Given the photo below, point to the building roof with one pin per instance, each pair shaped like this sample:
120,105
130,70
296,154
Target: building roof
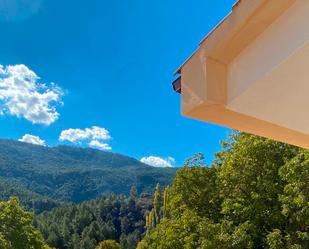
247,19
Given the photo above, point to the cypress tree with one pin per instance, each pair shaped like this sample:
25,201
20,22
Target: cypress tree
157,204
165,201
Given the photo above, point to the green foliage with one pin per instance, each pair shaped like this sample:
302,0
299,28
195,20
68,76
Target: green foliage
157,204
295,199
83,226
71,174
108,244
29,200
44,177
195,184
274,240
197,160
16,230
255,195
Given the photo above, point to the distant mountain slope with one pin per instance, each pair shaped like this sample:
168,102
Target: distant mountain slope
76,174
30,201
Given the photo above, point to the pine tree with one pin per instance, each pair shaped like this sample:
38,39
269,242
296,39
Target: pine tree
133,193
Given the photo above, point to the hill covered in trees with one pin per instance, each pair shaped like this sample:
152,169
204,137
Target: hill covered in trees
72,174
30,200
254,195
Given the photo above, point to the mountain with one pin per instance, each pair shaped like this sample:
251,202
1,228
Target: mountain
74,174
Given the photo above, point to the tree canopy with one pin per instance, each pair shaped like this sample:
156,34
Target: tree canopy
255,195
108,244
83,226
16,230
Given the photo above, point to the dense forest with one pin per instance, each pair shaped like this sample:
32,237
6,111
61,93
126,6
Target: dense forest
72,174
104,223
30,200
83,226
254,195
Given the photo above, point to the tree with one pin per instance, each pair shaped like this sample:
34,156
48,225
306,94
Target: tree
295,201
255,195
157,204
197,160
108,244
16,230
133,193
165,202
250,183
198,188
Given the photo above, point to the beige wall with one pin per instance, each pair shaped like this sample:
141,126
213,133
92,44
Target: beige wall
289,32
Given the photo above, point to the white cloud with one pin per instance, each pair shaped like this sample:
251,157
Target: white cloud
94,136
27,138
77,135
158,161
22,95
99,145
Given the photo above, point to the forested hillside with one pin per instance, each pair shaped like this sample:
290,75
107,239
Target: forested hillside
83,226
255,195
73,174
29,200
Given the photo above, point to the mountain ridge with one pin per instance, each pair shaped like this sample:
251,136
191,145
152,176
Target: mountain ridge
74,174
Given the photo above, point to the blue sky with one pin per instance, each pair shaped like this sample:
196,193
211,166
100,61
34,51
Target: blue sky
113,63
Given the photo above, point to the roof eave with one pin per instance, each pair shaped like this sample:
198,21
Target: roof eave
244,23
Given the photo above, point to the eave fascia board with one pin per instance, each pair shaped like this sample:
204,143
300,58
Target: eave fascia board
242,25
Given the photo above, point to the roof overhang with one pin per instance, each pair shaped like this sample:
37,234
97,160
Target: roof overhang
251,72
